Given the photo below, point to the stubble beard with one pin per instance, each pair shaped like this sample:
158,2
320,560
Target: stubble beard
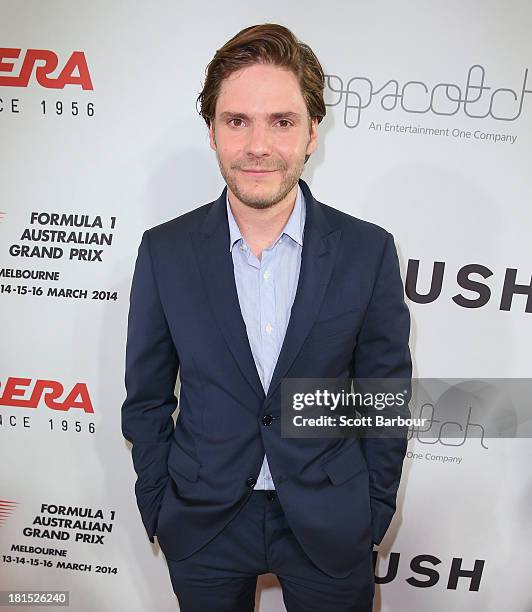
265,200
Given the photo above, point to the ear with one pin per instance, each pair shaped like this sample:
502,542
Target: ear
212,140
313,136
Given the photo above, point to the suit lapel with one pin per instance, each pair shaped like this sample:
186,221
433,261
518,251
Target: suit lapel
317,261
216,265
211,243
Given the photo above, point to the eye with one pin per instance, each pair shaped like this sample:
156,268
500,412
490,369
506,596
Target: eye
236,122
285,123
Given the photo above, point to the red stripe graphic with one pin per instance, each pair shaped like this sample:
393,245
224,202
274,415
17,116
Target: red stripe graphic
6,510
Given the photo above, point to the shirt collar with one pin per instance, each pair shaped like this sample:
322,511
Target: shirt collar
293,228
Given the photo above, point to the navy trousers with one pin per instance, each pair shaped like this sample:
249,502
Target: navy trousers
222,576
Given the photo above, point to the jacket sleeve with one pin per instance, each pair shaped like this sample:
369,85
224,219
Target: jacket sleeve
151,370
382,351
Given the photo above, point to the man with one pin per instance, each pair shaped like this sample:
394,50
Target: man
261,284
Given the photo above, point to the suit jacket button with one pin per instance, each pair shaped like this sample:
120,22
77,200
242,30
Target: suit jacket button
251,482
267,419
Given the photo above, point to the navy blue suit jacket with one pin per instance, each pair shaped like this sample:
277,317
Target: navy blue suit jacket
349,318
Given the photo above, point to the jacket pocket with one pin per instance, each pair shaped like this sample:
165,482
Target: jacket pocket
343,324
343,466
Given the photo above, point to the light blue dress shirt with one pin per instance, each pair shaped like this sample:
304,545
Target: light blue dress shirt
266,290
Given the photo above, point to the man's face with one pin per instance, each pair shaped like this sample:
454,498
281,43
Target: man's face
261,134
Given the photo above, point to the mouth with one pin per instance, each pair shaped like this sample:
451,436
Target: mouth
258,172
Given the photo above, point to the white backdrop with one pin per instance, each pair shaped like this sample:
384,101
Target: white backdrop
132,152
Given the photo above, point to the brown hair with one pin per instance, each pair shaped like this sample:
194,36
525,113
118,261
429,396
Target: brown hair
268,43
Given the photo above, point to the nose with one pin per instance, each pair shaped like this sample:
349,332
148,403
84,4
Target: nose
258,143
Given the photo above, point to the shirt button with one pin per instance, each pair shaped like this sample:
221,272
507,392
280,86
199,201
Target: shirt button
251,482
266,274
268,328
267,419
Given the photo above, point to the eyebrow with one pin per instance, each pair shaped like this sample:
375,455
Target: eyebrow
285,114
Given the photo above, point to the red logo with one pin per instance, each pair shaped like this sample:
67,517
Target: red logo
74,72
50,391
6,509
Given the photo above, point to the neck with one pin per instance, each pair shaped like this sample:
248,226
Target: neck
262,225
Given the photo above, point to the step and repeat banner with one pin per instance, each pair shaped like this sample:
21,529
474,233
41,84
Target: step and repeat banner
428,133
